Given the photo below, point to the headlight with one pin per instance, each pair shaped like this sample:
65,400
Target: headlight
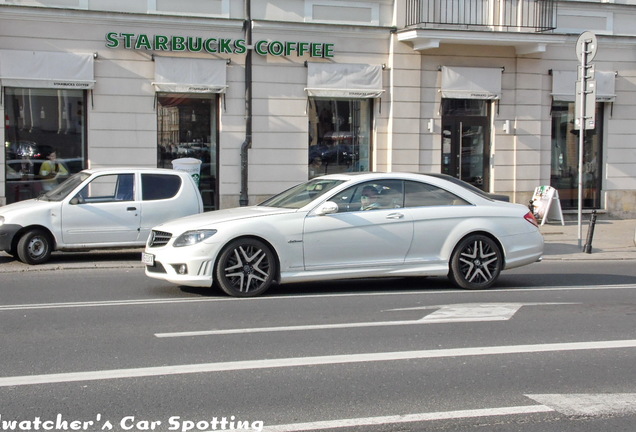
190,238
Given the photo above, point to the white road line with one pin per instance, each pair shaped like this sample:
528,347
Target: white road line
288,328
301,296
103,303
308,361
408,418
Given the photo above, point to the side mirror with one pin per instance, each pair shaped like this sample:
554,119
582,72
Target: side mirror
326,208
77,199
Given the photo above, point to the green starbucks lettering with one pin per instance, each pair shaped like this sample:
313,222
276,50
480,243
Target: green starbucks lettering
212,45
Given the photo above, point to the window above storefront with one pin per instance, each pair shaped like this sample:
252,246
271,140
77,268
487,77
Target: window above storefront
471,83
215,8
336,80
564,85
190,75
46,69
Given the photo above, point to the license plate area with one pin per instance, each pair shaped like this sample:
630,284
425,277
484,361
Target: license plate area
148,259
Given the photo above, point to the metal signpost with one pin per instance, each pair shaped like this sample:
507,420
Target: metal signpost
585,105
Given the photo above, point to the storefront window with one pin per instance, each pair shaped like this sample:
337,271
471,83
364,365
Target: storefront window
45,139
565,158
339,136
187,128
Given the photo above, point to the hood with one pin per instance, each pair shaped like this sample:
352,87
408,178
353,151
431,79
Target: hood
212,218
15,213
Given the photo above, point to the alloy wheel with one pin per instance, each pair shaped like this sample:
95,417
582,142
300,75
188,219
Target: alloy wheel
246,268
476,262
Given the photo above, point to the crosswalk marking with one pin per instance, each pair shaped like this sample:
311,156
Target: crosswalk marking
566,404
589,404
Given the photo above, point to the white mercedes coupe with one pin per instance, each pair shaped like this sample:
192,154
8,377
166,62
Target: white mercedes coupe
345,226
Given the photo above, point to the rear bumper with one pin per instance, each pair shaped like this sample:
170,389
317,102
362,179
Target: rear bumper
523,249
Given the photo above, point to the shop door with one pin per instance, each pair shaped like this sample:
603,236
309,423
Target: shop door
187,128
466,141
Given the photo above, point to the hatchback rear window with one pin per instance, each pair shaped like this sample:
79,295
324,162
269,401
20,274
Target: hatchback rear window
159,186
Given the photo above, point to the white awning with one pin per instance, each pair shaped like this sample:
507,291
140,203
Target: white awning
564,85
471,83
190,75
45,69
344,80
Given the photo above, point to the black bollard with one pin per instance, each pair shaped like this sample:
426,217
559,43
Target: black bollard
590,234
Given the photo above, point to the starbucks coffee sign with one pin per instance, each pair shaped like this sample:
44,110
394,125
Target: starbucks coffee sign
134,41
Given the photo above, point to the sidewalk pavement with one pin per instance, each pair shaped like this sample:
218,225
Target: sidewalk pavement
614,239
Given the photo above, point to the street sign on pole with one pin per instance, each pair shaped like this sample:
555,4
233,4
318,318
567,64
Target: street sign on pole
586,44
586,89
585,106
589,104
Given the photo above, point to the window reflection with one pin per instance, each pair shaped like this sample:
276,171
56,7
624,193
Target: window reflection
565,162
339,136
45,139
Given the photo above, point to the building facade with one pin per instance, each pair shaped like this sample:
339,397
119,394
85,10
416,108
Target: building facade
261,95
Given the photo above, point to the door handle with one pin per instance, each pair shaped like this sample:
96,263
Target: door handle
395,216
131,209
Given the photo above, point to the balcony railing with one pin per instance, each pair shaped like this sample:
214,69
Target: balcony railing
499,15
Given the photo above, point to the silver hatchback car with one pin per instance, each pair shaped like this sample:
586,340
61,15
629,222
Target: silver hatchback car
97,209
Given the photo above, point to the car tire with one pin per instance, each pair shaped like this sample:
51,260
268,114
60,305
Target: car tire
476,262
246,268
35,247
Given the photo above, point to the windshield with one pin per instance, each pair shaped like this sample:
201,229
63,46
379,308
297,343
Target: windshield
302,194
67,186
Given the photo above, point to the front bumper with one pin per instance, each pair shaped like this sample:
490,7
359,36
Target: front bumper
169,262
7,234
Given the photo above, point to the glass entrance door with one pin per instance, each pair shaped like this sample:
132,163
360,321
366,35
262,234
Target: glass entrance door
466,141
187,128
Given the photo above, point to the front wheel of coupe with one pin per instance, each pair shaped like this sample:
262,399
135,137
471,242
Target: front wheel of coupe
476,262
245,268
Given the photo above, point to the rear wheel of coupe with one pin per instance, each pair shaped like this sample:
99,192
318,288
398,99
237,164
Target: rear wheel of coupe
34,247
476,262
245,268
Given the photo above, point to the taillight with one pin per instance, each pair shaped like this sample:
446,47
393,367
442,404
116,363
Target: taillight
530,218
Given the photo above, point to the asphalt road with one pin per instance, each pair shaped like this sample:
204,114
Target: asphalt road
551,348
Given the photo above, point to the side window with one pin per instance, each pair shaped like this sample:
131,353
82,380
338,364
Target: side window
426,195
159,186
371,196
109,188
